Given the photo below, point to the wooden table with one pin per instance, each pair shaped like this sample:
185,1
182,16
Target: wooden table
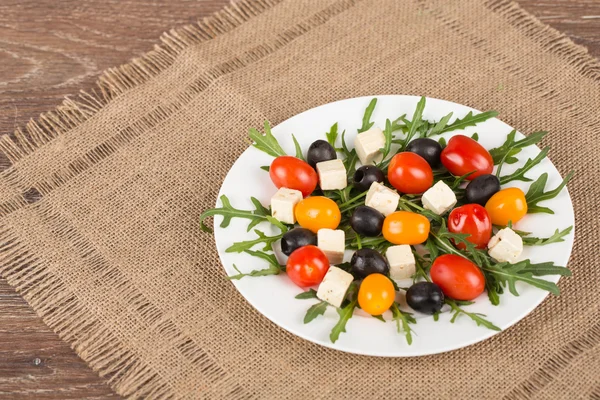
50,49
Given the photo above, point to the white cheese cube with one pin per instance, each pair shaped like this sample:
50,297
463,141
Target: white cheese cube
368,145
333,244
439,198
334,286
401,260
332,174
505,245
382,198
283,203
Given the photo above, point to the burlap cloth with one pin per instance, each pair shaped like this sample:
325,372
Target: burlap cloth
99,206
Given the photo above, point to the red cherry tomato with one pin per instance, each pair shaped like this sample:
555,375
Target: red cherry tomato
474,220
463,155
410,173
458,277
293,173
307,266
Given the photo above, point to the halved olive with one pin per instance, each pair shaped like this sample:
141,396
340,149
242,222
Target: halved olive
320,150
427,148
480,189
425,297
367,221
296,238
365,262
366,175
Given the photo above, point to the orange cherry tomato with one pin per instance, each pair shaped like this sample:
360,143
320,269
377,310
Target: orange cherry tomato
317,212
404,227
410,173
507,205
376,294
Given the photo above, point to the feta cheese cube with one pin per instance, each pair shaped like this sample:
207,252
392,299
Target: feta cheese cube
283,203
333,244
401,260
334,286
332,174
368,145
382,198
439,198
505,245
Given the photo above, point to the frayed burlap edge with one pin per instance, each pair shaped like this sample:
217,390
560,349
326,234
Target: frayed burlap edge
58,307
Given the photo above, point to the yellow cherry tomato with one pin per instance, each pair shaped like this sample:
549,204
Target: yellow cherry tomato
404,227
318,212
376,294
507,205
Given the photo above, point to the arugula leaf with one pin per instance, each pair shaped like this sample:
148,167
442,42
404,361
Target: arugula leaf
379,317
536,193
475,136
345,314
439,127
398,123
298,148
274,267
477,317
268,241
510,148
366,122
414,124
507,274
403,319
387,133
266,142
442,142
265,168
469,120
350,157
309,294
519,174
332,134
228,212
555,238
315,310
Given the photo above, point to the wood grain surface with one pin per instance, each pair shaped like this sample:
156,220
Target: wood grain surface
50,49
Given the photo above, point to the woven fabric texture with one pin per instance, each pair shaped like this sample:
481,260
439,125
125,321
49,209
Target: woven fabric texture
100,200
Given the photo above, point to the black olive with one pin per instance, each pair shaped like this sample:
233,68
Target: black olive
425,297
367,261
427,148
480,189
319,151
296,238
366,175
367,221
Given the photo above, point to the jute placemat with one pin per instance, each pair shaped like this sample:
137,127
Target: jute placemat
99,207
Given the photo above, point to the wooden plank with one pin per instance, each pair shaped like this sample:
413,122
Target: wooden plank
51,49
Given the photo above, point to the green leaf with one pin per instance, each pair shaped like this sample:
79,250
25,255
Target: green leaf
439,127
228,212
442,142
266,142
268,241
379,317
555,238
298,149
519,174
366,122
469,120
403,319
478,318
436,316
345,314
332,134
274,267
511,148
309,294
415,123
350,159
314,311
475,136
507,275
387,133
536,193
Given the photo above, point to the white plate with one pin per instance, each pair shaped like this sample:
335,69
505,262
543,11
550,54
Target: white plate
273,296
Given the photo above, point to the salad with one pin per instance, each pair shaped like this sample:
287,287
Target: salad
409,208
